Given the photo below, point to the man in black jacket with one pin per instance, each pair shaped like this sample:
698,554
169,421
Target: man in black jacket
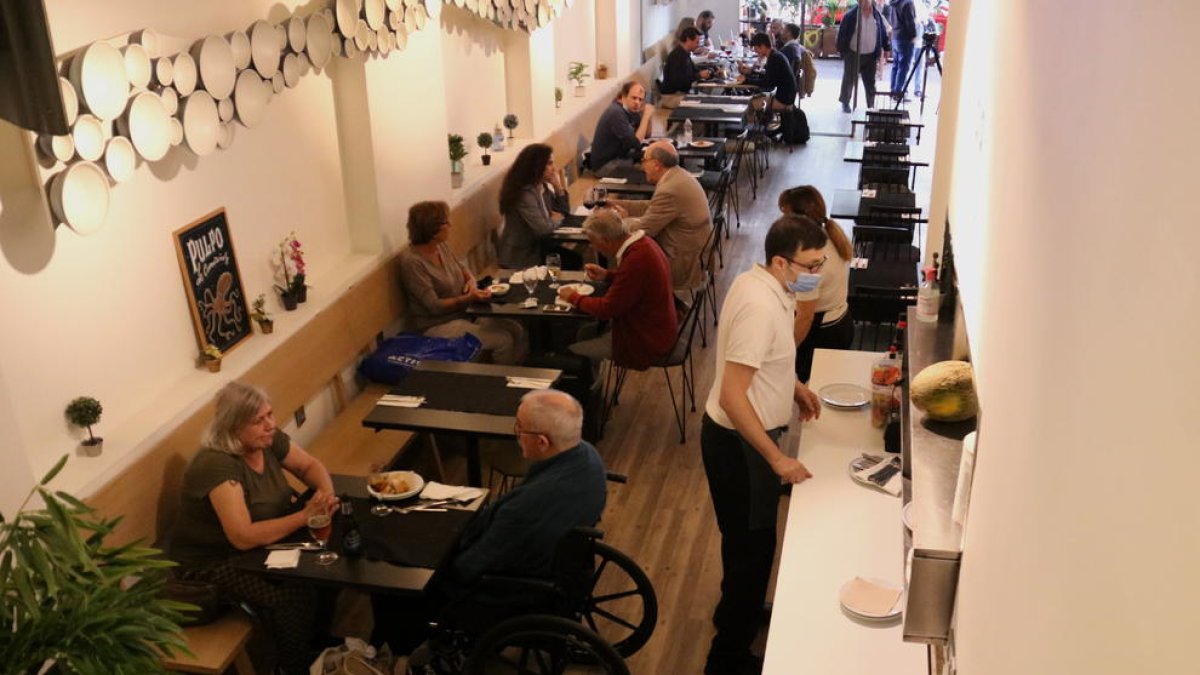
777,74
861,38
679,72
904,36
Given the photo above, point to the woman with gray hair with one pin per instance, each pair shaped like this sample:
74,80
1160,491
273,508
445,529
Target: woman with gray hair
236,497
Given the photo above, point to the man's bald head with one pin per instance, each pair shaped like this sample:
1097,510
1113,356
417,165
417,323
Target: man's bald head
553,414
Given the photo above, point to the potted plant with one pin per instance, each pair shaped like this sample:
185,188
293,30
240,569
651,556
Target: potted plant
484,141
293,270
511,122
84,412
212,358
577,73
258,312
457,152
558,96
601,72
73,604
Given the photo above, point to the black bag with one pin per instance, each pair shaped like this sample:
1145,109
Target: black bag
794,125
202,594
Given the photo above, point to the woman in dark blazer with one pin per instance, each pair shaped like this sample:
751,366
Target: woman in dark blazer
532,193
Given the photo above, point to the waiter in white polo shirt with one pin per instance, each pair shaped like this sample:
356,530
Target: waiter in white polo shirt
748,409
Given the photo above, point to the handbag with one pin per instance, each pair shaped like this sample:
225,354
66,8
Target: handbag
399,354
204,598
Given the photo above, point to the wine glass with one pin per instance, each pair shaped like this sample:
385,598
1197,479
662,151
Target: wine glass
320,526
601,197
589,200
530,279
554,268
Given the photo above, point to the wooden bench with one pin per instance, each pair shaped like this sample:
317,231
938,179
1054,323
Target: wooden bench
147,492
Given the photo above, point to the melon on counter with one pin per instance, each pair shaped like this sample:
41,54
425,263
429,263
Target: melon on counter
945,391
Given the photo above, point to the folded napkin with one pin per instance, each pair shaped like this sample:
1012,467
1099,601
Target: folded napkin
690,104
614,181
401,401
581,210
517,278
528,383
569,230
892,487
868,193
733,108
283,560
436,490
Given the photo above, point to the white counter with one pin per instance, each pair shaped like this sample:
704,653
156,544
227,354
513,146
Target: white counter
837,530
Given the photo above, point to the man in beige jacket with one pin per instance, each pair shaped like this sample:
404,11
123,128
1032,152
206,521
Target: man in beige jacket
677,216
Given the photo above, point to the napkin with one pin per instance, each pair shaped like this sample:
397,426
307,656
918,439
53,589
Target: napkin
569,230
517,278
401,401
892,487
581,210
690,104
528,383
529,303
734,108
436,490
614,181
283,560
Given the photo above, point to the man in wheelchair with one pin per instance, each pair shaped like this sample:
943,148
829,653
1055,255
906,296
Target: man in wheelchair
518,534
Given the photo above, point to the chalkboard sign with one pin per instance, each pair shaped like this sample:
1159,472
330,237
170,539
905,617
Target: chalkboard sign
213,284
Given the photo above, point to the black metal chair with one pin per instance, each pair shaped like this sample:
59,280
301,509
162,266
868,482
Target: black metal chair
874,311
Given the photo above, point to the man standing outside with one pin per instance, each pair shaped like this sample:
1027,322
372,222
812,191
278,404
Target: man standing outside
860,40
620,131
904,37
748,409
677,216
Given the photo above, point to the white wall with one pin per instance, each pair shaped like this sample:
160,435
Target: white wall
575,40
473,70
1073,210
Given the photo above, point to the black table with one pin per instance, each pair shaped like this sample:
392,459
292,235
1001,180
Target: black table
888,265
868,116
471,425
709,154
714,116
509,306
363,573
849,205
724,99
916,155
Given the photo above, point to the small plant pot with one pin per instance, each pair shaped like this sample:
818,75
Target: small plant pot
558,104
91,447
601,72
289,301
301,294
213,365
510,135
267,327
487,160
580,91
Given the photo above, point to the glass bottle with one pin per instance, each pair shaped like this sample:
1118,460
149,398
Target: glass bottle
352,543
687,132
928,297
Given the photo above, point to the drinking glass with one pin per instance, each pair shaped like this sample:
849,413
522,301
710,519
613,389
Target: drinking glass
601,197
553,268
530,278
589,200
320,526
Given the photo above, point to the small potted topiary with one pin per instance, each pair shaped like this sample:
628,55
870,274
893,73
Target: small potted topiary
84,412
457,152
558,96
212,358
484,141
511,122
258,312
577,73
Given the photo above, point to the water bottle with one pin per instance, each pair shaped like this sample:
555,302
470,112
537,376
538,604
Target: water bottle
687,132
928,297
352,543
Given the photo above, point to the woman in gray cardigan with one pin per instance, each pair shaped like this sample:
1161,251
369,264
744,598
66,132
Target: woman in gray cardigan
531,195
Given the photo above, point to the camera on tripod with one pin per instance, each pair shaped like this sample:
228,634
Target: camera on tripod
930,38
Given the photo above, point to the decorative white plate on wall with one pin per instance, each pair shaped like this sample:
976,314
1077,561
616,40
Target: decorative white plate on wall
70,101
170,100
277,83
360,35
395,19
305,64
239,44
148,39
60,148
349,49
297,34
385,41
318,39
401,40
225,109
88,134
264,48
216,66
201,124
164,71
347,17
281,37
393,5
373,9
410,20
98,73
119,159
79,197
291,70
176,131
137,66
250,97
226,137
148,124
185,74
422,16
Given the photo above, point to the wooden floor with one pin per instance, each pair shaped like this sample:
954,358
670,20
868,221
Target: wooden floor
663,517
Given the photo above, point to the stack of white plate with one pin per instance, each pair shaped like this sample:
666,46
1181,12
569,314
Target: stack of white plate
871,600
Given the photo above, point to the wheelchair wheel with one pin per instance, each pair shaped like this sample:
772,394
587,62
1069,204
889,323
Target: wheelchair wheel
621,606
543,644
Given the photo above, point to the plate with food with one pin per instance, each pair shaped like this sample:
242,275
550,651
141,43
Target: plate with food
390,486
499,289
582,289
702,144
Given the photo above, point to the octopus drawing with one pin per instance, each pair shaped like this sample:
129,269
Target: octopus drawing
222,310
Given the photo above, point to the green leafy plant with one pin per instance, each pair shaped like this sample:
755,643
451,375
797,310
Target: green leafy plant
84,412
511,122
71,601
484,140
577,72
457,149
558,95
258,309
212,353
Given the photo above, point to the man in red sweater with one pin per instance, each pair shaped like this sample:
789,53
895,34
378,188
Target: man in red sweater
639,302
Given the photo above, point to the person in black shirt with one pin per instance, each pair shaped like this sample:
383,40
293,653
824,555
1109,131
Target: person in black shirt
679,72
777,74
620,131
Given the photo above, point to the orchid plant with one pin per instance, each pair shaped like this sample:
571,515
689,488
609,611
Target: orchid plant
291,265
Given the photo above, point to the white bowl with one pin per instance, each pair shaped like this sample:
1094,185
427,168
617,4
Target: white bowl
297,34
170,100
201,123
384,40
148,125
137,66
414,480
239,44
360,35
281,37
401,39
225,109
79,197
347,16
185,74
250,97
215,59
60,148
164,71
70,100
98,73
148,39
277,83
264,48
291,70
176,131
88,134
317,40
225,138
373,9
393,5
120,159
350,50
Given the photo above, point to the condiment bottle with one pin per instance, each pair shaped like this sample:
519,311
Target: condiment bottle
928,297
352,543
885,373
